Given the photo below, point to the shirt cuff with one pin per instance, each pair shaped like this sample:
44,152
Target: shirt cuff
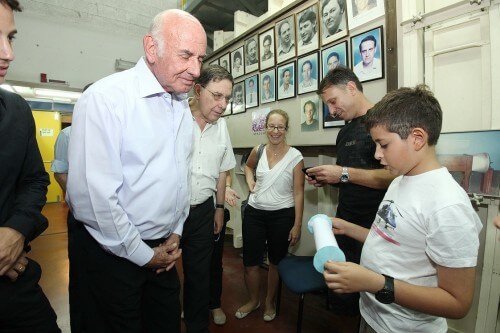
142,255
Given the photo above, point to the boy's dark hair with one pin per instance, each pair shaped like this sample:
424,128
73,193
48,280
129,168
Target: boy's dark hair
402,110
213,73
13,4
339,76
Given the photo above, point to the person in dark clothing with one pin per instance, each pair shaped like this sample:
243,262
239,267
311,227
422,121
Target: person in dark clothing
23,188
362,181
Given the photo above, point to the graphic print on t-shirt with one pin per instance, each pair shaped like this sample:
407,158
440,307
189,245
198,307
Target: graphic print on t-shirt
386,221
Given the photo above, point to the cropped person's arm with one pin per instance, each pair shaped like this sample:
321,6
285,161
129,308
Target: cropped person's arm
330,174
250,168
298,198
231,195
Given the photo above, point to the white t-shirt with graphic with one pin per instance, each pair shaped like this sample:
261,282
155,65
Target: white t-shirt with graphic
423,220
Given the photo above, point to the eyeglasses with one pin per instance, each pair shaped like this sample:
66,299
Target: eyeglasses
218,96
279,128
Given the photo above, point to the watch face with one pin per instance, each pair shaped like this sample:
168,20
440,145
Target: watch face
385,296
344,178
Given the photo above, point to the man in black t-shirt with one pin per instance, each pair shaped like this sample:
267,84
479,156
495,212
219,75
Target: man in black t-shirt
362,181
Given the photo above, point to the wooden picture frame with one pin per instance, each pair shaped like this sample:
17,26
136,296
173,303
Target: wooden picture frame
225,61
371,66
359,16
307,23
252,91
238,104
267,86
286,81
285,39
237,62
333,20
333,56
251,54
267,53
307,73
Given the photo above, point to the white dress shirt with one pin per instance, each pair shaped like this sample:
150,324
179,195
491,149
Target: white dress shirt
212,154
130,157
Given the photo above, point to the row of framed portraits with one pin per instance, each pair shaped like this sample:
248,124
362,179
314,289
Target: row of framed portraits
300,33
303,75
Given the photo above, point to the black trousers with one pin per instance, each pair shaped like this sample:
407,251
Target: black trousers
216,266
75,277
123,297
197,246
24,308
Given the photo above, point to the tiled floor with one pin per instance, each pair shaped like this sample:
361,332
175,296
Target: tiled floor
50,251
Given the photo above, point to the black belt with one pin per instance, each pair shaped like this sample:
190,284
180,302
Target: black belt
203,203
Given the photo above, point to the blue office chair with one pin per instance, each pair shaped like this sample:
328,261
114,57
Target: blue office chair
300,277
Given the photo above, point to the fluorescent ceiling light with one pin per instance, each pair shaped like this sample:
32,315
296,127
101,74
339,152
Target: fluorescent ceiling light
7,87
57,93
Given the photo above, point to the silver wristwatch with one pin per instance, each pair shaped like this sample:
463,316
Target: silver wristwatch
344,177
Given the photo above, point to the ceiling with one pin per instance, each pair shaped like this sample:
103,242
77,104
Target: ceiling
219,14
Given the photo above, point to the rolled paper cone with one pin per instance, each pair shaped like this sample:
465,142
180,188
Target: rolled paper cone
327,247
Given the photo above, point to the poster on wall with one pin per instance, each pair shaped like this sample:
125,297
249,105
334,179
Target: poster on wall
252,91
308,73
225,62
259,120
251,54
266,41
360,12
286,81
239,97
267,87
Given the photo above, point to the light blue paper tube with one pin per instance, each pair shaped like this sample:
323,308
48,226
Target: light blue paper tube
327,248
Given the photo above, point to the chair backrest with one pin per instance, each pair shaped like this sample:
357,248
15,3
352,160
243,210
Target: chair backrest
458,163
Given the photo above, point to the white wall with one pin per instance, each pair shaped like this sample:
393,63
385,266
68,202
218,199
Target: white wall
76,53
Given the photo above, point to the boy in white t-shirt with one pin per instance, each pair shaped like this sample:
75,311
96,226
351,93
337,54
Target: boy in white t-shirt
418,261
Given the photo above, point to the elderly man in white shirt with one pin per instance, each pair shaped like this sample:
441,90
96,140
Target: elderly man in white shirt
212,157
129,177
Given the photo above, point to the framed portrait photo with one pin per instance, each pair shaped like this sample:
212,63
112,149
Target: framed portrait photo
252,91
285,39
367,56
307,24
309,113
267,87
330,120
361,12
237,62
286,80
267,50
251,54
307,73
214,62
333,56
333,20
225,62
238,103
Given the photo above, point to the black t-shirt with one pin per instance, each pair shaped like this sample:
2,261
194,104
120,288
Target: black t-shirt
357,204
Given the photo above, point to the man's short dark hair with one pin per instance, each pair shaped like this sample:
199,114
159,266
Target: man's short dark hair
266,78
286,70
403,109
238,88
341,3
340,76
308,16
333,54
13,4
267,37
251,81
237,55
366,39
213,73
312,104
307,62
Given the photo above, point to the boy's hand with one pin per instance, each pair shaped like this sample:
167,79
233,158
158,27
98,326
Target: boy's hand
348,277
